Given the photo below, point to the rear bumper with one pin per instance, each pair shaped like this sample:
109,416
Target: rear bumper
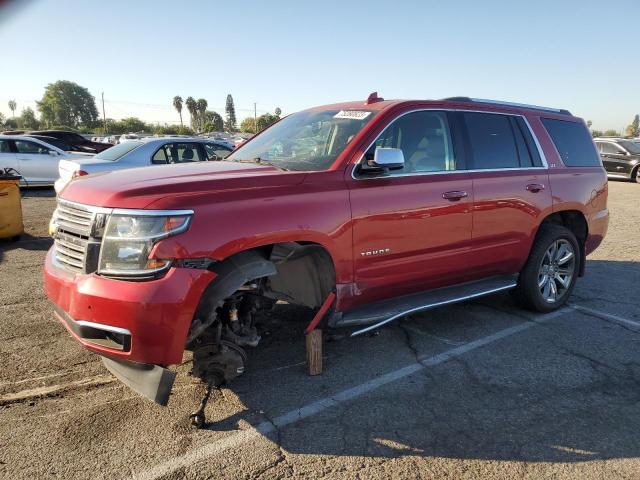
598,223
144,322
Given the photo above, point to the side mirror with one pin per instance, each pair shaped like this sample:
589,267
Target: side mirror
53,153
621,152
387,158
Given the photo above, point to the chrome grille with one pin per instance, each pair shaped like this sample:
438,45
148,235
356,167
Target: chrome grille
75,249
72,217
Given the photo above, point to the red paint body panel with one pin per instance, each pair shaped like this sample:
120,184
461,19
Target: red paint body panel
432,242
158,313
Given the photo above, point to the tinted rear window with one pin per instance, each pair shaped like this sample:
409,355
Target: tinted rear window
573,142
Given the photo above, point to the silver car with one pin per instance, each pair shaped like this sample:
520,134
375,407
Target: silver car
35,160
144,152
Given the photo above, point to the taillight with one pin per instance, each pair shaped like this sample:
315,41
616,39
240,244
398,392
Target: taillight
78,173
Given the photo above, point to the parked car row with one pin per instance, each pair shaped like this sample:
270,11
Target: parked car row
74,141
42,163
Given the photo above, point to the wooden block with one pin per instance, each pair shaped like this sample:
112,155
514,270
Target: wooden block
314,351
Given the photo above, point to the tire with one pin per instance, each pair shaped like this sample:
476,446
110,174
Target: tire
549,276
635,175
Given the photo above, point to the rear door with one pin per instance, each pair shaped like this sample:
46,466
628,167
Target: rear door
407,237
510,187
36,163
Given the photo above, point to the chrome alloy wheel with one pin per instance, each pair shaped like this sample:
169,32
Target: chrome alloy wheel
556,270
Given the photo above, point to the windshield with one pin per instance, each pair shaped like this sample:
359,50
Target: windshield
118,151
631,147
305,141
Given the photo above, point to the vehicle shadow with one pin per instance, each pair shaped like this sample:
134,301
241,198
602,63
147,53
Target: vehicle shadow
26,242
28,192
563,395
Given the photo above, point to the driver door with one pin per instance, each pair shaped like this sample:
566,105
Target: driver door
412,227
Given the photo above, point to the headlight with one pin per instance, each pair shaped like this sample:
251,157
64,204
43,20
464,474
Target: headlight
128,240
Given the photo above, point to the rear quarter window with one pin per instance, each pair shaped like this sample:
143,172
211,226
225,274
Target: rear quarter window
573,142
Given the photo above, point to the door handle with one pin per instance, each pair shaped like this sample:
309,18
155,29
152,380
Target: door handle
535,187
454,195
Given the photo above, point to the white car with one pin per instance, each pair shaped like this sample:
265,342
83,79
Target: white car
145,152
36,161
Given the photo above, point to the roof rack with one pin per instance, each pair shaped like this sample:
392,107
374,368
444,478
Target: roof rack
508,104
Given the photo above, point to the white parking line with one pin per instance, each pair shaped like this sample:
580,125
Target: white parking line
265,428
607,316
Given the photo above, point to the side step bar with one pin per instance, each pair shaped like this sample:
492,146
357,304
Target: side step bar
380,313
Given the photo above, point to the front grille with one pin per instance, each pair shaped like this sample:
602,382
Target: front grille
75,247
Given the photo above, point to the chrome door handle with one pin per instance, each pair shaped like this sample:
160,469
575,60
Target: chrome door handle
535,187
454,195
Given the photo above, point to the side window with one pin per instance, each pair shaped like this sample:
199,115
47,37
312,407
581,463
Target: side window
23,146
425,140
573,142
599,146
216,152
160,157
611,148
183,153
4,146
492,141
531,144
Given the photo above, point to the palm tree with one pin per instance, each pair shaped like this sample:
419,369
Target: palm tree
177,104
12,107
192,107
201,107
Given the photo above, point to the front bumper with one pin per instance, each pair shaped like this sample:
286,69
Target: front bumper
144,322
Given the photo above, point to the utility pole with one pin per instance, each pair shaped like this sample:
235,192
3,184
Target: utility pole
255,118
104,117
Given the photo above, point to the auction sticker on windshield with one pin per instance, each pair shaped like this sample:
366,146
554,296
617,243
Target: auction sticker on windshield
352,114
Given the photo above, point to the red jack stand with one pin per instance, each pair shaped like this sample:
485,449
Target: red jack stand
313,338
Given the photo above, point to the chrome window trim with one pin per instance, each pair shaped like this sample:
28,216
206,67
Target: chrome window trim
543,158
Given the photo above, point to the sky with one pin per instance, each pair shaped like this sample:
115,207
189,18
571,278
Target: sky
580,55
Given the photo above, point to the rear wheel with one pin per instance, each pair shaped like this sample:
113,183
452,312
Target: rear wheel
548,278
635,175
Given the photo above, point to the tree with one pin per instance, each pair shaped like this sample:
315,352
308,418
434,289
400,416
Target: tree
1,120
12,106
596,133
212,122
67,103
230,109
266,120
28,120
201,108
192,108
278,112
247,125
589,123
177,104
633,130
611,133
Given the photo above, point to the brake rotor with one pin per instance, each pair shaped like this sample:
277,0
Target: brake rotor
218,363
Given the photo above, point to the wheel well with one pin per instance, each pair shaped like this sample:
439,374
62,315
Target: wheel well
573,220
305,272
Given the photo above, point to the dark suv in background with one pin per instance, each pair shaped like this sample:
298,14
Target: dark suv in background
620,157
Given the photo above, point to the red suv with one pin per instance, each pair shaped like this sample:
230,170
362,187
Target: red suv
390,207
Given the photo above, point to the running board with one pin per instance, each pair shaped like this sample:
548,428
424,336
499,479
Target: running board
375,315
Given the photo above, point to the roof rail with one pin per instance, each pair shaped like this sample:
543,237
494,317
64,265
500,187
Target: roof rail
508,104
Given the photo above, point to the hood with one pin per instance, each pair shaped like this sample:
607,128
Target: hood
140,187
